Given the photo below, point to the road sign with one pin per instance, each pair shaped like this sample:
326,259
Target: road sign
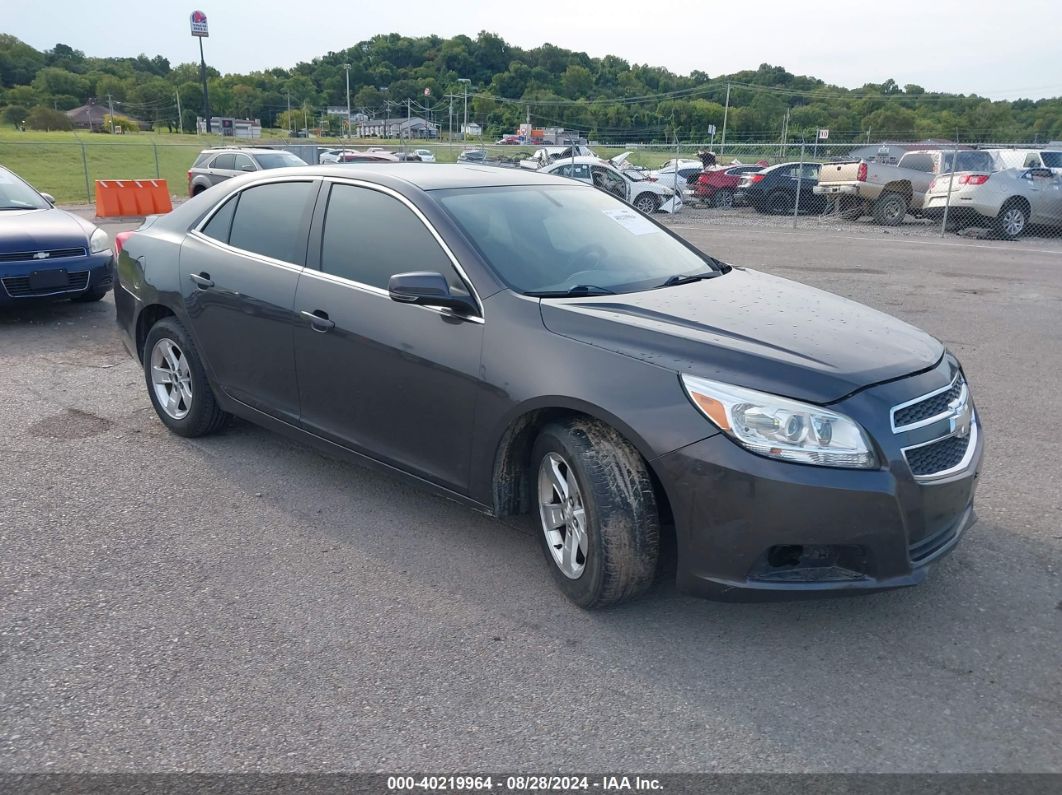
711,129
199,24
427,92
824,134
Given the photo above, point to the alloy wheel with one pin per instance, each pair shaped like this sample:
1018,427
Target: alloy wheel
563,515
171,378
1013,221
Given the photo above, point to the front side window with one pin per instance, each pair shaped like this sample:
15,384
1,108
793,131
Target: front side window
370,236
268,221
553,238
1052,159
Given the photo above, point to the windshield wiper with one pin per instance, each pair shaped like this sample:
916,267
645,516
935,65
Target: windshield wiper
579,289
688,278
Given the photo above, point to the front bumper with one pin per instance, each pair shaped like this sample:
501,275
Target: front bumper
753,528
84,274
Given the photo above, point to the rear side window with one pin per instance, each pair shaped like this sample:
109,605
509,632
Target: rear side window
218,226
226,162
1032,161
269,221
370,236
201,159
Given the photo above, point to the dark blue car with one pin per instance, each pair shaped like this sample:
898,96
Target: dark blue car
48,253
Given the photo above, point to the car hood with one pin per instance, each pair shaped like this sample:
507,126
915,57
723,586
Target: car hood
754,330
37,230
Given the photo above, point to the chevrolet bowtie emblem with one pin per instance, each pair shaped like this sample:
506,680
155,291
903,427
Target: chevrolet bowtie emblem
41,255
961,421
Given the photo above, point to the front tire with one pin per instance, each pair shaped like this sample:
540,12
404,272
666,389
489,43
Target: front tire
599,524
646,203
779,203
723,199
177,383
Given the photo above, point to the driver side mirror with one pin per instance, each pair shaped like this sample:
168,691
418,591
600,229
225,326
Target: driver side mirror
427,288
48,198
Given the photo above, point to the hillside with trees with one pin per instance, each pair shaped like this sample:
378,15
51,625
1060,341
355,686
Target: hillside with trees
605,98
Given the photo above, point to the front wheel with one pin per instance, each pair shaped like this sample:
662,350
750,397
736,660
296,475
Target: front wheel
646,203
779,203
723,199
177,383
600,529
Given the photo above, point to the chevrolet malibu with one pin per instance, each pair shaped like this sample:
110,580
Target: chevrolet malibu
527,344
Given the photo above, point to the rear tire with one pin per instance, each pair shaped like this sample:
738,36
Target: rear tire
602,542
780,203
723,199
1012,221
890,209
172,367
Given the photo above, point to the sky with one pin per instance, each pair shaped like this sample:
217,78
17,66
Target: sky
943,45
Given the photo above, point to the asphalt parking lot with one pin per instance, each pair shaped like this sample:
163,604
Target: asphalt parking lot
243,603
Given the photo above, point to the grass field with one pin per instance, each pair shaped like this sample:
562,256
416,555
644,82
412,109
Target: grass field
66,164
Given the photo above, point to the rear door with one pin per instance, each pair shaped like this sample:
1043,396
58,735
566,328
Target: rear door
222,167
239,272
397,382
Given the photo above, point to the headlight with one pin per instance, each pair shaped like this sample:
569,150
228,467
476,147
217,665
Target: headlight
99,241
782,428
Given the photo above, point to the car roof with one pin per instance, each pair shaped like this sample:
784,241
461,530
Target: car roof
254,150
430,176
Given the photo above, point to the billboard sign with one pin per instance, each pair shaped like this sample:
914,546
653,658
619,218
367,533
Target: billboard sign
199,24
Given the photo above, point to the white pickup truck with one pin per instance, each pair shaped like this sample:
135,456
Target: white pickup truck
889,192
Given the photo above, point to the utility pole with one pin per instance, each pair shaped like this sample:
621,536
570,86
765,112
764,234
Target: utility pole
110,104
347,67
409,125
726,111
450,138
289,110
464,127
180,118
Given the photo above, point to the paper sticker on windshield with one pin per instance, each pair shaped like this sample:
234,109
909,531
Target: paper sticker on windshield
631,221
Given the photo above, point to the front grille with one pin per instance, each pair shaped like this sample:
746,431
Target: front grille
18,286
937,456
932,406
30,256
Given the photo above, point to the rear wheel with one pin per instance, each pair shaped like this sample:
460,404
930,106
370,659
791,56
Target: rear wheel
177,383
646,203
600,529
890,209
723,198
1012,220
779,203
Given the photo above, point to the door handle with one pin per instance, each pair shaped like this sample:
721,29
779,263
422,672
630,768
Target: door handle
319,320
202,280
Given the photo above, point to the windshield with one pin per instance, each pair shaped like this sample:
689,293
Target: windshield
969,161
278,160
551,239
17,195
1052,159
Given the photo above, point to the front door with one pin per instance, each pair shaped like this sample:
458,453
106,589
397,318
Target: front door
238,276
395,381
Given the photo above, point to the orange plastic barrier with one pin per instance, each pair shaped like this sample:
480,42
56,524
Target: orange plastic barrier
131,197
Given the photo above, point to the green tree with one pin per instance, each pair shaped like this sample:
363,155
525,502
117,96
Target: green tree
41,118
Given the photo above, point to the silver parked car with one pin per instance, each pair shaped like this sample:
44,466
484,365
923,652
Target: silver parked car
1007,201
217,165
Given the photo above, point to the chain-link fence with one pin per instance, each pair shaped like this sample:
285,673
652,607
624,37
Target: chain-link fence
1001,190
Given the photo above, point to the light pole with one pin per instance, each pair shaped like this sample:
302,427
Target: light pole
347,67
464,127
